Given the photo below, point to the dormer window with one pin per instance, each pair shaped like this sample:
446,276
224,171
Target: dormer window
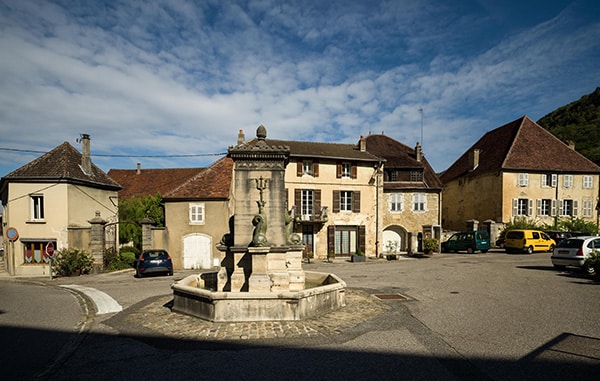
416,176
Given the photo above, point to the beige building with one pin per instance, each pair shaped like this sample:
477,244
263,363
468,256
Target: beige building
519,170
52,200
410,204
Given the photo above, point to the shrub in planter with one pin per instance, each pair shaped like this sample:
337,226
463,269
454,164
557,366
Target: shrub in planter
430,245
68,262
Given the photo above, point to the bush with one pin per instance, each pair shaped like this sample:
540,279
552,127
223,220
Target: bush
68,262
124,260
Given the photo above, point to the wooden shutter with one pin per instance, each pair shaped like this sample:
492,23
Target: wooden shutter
361,239
575,208
298,201
530,207
339,171
317,202
353,170
315,168
330,239
299,168
336,201
356,201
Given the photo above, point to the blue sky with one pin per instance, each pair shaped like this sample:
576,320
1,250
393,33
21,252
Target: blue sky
165,78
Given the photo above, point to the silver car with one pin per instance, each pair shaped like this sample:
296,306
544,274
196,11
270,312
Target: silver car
574,251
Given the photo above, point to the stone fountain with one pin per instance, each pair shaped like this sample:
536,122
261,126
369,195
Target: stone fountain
261,276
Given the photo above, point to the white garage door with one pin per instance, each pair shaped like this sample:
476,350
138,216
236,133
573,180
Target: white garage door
392,242
196,252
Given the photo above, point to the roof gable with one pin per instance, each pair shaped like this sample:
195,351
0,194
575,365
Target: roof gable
520,145
63,163
212,183
334,151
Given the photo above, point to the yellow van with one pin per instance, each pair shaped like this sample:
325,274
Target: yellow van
528,241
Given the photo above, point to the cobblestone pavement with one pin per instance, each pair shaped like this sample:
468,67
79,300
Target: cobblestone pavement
157,316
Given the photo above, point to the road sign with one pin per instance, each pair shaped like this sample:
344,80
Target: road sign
50,249
12,234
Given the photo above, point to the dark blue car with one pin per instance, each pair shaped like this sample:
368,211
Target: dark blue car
153,262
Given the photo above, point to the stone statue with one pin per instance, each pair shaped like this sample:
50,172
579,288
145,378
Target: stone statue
259,238
291,237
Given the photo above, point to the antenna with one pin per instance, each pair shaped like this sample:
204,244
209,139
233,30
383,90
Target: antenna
421,111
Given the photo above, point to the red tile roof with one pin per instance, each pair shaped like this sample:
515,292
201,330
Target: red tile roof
63,163
521,145
212,183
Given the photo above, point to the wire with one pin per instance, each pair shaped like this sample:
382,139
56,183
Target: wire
101,155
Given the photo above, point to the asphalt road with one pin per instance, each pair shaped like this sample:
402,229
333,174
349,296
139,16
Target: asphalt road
480,316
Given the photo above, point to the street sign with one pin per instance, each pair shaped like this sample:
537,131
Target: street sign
12,234
50,249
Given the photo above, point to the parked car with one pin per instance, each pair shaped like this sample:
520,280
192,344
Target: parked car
574,251
528,241
558,236
152,262
469,241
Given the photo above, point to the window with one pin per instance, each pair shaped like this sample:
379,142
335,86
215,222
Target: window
345,201
393,175
345,240
569,208
522,207
549,180
346,170
34,252
37,207
544,207
307,167
416,176
523,179
568,181
307,204
587,208
588,182
419,202
395,204
196,213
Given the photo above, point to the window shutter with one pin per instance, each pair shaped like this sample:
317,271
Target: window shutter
544,180
575,207
560,207
530,207
299,168
317,201
336,201
361,239
554,180
338,170
356,202
330,239
553,209
515,204
298,200
538,207
315,168
353,170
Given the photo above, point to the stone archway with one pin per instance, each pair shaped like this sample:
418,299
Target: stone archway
394,239
197,253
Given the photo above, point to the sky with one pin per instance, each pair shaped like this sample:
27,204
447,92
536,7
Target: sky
170,83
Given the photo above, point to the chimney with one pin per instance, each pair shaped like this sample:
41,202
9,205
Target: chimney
139,169
418,153
473,159
362,144
86,161
241,138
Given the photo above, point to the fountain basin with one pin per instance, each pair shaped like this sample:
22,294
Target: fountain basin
193,296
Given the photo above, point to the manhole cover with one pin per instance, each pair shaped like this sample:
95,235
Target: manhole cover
391,297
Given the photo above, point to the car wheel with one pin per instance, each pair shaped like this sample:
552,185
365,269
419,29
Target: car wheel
551,248
589,269
559,267
470,250
530,250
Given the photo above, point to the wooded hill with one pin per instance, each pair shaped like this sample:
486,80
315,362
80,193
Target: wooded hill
578,122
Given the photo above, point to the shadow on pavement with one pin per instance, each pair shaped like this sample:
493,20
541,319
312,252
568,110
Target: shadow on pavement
97,356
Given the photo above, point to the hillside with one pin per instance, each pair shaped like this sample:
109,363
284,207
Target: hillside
579,122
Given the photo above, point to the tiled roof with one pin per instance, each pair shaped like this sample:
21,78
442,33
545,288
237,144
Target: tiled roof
177,183
212,183
63,163
400,156
520,145
335,151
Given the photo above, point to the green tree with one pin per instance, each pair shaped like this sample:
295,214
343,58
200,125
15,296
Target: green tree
573,224
132,211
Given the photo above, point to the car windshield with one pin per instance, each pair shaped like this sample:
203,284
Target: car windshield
156,255
571,243
482,235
